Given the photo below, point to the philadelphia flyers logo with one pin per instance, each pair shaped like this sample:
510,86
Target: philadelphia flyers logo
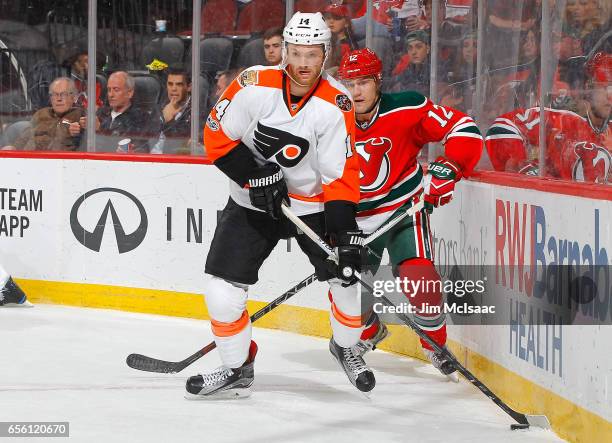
594,163
374,163
287,149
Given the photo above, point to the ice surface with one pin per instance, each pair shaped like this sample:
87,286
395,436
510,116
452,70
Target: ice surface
68,364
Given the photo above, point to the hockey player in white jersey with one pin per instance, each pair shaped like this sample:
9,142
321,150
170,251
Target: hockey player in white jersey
11,294
283,133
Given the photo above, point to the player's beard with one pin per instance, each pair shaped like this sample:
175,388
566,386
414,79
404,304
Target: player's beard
289,70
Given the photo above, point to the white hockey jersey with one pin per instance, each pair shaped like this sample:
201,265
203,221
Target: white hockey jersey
311,140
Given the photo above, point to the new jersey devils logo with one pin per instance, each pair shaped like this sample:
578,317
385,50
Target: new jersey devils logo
288,149
594,163
374,162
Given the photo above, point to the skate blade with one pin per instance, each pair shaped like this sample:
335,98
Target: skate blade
453,376
25,304
367,395
228,394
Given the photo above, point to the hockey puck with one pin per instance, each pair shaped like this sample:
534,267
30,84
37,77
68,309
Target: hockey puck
347,272
516,426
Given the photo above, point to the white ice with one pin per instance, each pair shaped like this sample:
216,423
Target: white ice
68,364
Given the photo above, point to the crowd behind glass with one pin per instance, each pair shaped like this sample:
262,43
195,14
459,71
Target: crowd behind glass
144,94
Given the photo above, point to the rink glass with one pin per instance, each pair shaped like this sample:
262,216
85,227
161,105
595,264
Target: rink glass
485,58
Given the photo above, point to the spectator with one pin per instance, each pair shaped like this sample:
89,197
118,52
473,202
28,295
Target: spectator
78,66
176,128
120,120
50,126
415,76
462,76
223,80
528,74
505,20
337,17
587,21
273,46
577,148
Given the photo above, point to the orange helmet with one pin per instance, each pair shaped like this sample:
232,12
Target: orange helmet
360,63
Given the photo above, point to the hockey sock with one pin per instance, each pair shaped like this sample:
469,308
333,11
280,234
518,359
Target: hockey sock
424,290
371,327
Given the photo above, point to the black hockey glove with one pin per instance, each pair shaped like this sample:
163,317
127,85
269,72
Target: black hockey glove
348,247
268,190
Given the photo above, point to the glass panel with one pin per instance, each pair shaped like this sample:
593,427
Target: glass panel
510,82
564,64
144,76
233,37
43,54
457,54
578,92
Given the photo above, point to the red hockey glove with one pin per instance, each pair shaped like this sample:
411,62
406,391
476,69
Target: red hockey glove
529,168
439,182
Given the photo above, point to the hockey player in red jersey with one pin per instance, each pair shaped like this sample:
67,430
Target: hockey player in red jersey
577,148
283,133
11,294
391,131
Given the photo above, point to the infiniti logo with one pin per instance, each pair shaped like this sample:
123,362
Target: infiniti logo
93,240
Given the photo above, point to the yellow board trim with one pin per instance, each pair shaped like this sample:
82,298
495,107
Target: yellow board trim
568,420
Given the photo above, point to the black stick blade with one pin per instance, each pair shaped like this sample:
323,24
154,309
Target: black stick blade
148,364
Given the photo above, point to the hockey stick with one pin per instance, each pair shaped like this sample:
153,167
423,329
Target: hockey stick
150,364
523,419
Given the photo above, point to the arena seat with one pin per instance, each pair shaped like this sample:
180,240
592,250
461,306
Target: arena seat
260,15
218,16
13,131
310,5
170,50
252,54
147,91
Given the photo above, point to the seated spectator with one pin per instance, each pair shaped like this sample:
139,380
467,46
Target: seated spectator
120,120
415,75
176,128
273,46
577,148
78,65
505,20
462,76
337,17
223,81
50,126
587,20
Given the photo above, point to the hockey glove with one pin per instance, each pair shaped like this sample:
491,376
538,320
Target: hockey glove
530,168
349,245
439,183
268,190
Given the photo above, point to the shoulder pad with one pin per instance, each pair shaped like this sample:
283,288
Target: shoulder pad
404,99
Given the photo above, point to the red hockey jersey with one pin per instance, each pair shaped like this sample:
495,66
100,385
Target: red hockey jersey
575,150
389,144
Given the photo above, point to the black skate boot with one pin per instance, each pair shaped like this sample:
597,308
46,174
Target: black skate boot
358,373
369,344
11,295
442,364
224,382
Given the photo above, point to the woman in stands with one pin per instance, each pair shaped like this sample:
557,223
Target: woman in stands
337,18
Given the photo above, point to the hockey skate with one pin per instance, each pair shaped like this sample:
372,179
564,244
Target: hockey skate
369,344
11,295
358,373
224,382
442,364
